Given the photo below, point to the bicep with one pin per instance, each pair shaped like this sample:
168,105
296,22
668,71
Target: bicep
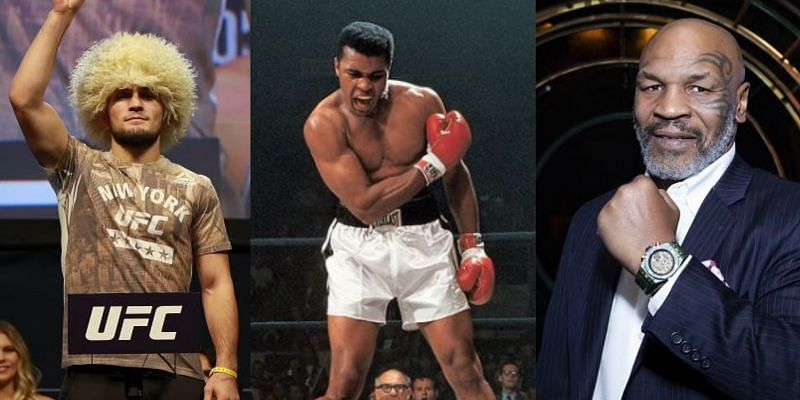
44,132
338,165
212,268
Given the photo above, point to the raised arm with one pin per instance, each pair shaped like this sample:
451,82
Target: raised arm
44,130
343,173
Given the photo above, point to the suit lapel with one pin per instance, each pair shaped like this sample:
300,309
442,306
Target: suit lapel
715,219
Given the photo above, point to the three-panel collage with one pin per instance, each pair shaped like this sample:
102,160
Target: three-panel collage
453,199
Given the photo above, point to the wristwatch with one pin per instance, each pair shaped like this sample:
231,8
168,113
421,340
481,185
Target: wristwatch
659,263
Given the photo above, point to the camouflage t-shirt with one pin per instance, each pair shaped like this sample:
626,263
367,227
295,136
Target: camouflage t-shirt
132,228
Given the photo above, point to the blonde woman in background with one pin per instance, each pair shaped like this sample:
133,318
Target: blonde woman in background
18,377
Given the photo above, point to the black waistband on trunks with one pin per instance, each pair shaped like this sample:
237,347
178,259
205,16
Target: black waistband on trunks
420,210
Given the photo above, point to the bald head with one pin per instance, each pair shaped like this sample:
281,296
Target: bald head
692,37
392,376
690,95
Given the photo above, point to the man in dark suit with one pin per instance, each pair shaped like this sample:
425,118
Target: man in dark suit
509,377
685,282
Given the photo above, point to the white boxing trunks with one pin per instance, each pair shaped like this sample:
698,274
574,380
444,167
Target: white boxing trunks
369,267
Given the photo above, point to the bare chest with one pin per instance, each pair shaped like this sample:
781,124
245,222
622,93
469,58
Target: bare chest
386,147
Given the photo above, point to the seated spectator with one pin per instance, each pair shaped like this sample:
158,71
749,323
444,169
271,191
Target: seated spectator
509,376
18,377
425,388
392,384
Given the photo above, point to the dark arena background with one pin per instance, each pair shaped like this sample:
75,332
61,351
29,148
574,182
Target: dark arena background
479,57
587,60
215,35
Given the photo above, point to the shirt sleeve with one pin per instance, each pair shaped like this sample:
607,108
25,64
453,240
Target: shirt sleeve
208,227
62,175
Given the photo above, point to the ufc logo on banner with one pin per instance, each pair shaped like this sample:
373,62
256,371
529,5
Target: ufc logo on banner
95,334
133,323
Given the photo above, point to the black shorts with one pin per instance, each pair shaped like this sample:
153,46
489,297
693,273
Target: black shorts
87,382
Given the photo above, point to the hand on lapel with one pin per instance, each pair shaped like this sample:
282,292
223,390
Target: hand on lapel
639,215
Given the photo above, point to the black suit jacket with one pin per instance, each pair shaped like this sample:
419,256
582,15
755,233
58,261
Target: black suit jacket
707,341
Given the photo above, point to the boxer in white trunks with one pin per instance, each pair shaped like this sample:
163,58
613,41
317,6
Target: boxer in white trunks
368,140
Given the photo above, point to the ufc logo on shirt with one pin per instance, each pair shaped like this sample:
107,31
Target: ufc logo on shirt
133,323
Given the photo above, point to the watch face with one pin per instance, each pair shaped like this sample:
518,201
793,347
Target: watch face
661,262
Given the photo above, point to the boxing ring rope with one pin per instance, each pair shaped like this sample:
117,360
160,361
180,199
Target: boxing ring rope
517,322
317,241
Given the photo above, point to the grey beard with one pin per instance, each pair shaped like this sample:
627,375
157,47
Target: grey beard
705,156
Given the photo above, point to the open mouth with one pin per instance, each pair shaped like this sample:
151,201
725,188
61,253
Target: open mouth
362,102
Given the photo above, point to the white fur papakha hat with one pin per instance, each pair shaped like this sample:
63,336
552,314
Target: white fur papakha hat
127,59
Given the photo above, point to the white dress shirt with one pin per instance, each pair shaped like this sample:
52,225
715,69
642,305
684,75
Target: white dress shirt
628,310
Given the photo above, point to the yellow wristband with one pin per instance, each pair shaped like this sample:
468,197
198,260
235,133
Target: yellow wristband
223,370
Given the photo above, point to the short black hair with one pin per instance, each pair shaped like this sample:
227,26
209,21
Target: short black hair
368,39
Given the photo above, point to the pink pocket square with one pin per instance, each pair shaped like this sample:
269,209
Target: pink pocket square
712,266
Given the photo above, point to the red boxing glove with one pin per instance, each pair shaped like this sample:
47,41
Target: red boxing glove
475,275
449,138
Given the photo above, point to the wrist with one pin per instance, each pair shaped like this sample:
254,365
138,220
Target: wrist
224,371
431,167
59,21
658,264
636,260
64,12
467,241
